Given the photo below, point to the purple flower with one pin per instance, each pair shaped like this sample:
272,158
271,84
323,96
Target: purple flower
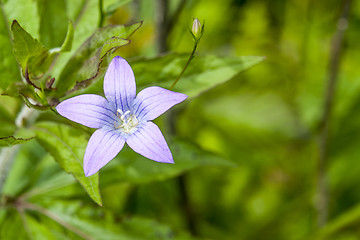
121,117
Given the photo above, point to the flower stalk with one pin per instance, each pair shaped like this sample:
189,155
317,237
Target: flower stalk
196,32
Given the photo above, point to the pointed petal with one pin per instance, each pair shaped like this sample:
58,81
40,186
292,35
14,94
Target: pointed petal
119,84
154,101
103,146
88,109
149,142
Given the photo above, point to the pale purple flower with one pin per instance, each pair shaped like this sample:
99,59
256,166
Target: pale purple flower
121,117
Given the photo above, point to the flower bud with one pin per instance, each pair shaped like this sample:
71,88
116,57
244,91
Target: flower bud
196,28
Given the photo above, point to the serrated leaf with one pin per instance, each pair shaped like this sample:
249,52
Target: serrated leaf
84,64
29,52
25,46
112,44
11,140
67,146
53,21
203,73
137,169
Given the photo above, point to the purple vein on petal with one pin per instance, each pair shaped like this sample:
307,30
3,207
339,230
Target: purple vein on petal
103,146
152,147
155,141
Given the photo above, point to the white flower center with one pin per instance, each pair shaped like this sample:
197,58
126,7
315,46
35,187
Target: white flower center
127,123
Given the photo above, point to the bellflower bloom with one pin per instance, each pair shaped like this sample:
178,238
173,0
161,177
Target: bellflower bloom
121,117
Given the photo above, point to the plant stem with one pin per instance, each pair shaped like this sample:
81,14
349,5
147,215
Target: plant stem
101,14
185,67
322,187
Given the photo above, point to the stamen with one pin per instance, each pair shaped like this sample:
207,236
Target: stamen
119,111
116,127
127,124
124,115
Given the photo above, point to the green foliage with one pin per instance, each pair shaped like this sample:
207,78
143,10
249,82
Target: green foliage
112,44
7,122
53,21
8,67
8,141
10,225
85,63
245,143
29,52
67,146
134,168
207,71
67,44
111,6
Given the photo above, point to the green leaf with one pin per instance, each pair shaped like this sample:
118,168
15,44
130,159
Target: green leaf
8,67
345,219
38,230
135,168
112,44
53,21
29,52
11,225
83,222
25,46
86,61
112,6
67,44
7,121
203,73
25,12
8,141
67,146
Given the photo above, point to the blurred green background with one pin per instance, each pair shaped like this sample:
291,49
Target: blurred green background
260,132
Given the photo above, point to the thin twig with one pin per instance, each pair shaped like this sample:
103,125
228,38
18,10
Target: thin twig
185,67
322,188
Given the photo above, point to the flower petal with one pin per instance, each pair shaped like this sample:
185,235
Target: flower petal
119,84
149,142
103,146
154,101
88,109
